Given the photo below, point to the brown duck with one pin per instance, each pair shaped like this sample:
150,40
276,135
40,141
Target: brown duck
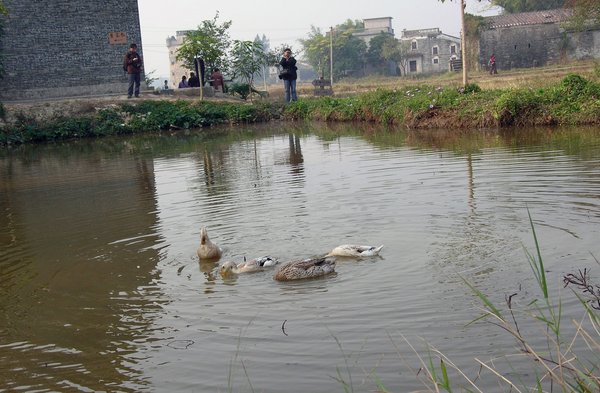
307,268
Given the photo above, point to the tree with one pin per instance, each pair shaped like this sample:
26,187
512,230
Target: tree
375,52
316,49
348,51
584,11
209,42
397,51
249,60
516,6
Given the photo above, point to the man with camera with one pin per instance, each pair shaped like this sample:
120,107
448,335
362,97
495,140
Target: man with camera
133,66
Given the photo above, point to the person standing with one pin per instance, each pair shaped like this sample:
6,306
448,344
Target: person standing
133,63
288,75
218,81
492,64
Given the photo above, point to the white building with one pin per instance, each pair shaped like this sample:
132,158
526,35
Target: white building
176,68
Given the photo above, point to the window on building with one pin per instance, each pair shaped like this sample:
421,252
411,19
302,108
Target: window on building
436,60
452,49
413,45
412,66
434,50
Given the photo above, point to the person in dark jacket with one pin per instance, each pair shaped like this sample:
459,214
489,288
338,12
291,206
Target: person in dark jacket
288,75
194,81
133,65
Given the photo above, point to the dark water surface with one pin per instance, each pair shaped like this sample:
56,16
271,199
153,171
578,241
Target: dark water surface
101,288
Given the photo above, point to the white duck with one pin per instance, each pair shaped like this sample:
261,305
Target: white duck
350,250
208,249
307,268
257,264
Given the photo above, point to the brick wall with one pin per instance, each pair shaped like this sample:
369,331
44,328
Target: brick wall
61,48
537,45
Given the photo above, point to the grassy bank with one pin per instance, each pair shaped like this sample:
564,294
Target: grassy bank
573,100
129,118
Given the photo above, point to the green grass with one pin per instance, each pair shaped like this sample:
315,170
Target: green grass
574,100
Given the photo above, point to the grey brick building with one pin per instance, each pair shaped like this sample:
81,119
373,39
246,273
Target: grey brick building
64,48
533,39
430,50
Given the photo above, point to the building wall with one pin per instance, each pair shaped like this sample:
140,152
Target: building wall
537,45
176,68
62,48
424,54
521,47
375,26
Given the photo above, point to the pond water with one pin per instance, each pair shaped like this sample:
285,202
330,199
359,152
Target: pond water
101,288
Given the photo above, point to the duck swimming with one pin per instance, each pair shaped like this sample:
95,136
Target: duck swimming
350,250
307,268
254,265
208,249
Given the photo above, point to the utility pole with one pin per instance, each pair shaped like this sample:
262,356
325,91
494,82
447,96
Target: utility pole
463,41
331,55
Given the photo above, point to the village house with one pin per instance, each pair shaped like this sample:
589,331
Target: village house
429,50
372,27
532,39
176,68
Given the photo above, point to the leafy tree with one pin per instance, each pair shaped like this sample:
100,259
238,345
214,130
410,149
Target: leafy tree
210,42
249,60
348,51
584,11
397,51
515,6
375,52
316,49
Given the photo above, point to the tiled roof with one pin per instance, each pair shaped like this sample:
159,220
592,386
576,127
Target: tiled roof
528,18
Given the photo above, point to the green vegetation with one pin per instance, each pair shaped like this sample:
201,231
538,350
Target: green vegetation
349,51
134,118
210,41
565,359
574,100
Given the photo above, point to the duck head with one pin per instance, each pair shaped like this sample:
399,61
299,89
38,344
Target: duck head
227,269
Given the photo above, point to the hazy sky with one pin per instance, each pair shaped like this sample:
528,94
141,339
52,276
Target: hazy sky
286,21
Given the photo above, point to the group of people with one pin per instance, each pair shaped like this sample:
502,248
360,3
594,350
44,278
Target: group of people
194,81
217,81
133,62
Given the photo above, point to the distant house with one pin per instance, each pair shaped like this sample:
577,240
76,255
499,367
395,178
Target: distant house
176,68
430,50
533,39
375,26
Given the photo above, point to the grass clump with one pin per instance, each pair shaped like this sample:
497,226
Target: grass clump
568,358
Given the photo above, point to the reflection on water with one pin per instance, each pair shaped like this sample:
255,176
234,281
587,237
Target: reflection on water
101,288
